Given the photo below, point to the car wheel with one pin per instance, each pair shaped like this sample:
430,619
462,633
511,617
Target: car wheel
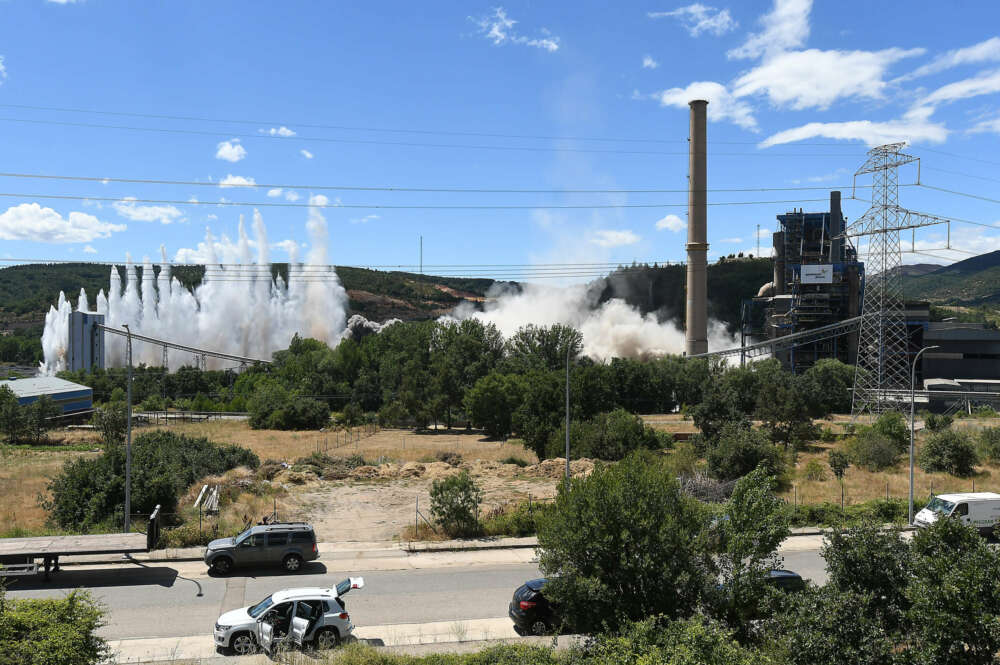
292,563
539,627
327,638
222,565
243,644
520,631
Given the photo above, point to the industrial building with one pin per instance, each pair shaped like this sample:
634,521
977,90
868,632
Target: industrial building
68,396
817,281
86,341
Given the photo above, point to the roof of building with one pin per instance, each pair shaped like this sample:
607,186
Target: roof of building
952,330
43,385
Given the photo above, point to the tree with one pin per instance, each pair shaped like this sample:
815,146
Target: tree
949,451
542,409
954,597
839,462
623,544
739,450
542,348
753,525
609,436
872,450
112,422
719,407
52,631
893,427
834,382
13,418
455,504
783,406
869,560
492,401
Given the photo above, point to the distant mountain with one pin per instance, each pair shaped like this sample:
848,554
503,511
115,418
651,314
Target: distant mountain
974,281
917,269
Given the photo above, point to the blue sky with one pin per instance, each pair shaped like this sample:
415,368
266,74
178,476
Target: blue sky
797,91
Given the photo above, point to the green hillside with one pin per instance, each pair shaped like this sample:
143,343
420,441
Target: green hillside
974,281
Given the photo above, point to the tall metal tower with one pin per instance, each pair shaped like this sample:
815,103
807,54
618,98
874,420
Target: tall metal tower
883,363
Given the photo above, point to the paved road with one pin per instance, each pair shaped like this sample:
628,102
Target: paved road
162,599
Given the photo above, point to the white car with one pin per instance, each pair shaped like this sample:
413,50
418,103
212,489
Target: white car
292,616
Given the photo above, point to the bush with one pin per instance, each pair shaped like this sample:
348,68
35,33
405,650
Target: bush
740,450
393,414
90,491
448,457
455,505
352,415
514,460
52,631
609,436
814,471
520,521
949,452
989,444
839,463
936,422
892,426
872,450
272,406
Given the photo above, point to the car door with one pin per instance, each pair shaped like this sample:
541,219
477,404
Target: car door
250,551
962,513
274,625
304,620
277,543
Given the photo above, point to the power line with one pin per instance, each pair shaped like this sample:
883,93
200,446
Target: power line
392,188
372,206
157,116
957,193
960,173
411,144
952,154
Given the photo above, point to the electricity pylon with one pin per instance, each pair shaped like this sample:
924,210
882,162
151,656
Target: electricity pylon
882,366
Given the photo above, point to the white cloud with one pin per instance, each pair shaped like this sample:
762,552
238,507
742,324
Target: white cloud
237,181
30,221
612,238
305,153
318,200
990,125
671,223
815,79
730,241
365,219
721,103
231,151
291,196
278,131
498,28
911,129
698,18
649,63
273,193
289,246
89,250
985,51
164,214
985,83
786,26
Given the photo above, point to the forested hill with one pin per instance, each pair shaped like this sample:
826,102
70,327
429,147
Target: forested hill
27,291
661,289
974,281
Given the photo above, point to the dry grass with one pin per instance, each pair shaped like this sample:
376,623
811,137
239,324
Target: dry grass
24,474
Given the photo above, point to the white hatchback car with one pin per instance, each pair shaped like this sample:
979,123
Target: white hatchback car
291,616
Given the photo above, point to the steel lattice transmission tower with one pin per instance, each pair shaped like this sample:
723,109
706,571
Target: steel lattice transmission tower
883,362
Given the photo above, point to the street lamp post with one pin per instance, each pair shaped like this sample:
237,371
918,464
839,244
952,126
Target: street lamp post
913,380
568,347
128,433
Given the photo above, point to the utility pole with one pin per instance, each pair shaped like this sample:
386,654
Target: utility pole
128,433
568,346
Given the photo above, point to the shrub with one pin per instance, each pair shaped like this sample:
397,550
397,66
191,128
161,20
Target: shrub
111,422
520,521
393,414
89,491
989,444
609,436
455,505
949,452
740,450
514,460
352,415
827,435
272,406
839,463
872,450
52,631
936,422
448,457
814,471
892,426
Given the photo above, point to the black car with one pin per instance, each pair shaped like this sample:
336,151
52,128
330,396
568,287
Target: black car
786,580
530,611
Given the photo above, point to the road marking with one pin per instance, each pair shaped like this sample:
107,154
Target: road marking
235,596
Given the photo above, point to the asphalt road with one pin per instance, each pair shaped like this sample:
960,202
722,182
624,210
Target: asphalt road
162,599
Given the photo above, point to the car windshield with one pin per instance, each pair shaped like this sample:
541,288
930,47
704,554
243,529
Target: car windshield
940,506
239,539
260,607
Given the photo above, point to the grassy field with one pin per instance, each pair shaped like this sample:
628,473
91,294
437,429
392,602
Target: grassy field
24,475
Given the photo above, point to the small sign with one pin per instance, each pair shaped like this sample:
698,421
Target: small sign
817,274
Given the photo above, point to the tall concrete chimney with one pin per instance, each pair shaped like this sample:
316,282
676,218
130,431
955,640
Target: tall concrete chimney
697,245
836,228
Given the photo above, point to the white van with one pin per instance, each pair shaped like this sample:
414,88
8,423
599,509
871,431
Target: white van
978,509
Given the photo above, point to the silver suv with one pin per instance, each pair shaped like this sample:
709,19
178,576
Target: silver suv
287,543
289,617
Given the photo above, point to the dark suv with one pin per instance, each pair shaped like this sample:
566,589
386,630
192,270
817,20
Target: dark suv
288,543
530,610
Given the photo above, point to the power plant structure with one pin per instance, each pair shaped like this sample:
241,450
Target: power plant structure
817,282
86,341
697,245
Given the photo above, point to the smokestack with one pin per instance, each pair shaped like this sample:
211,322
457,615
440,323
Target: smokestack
697,245
836,228
779,263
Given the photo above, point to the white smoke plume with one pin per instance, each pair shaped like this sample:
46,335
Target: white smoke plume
613,329
239,310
